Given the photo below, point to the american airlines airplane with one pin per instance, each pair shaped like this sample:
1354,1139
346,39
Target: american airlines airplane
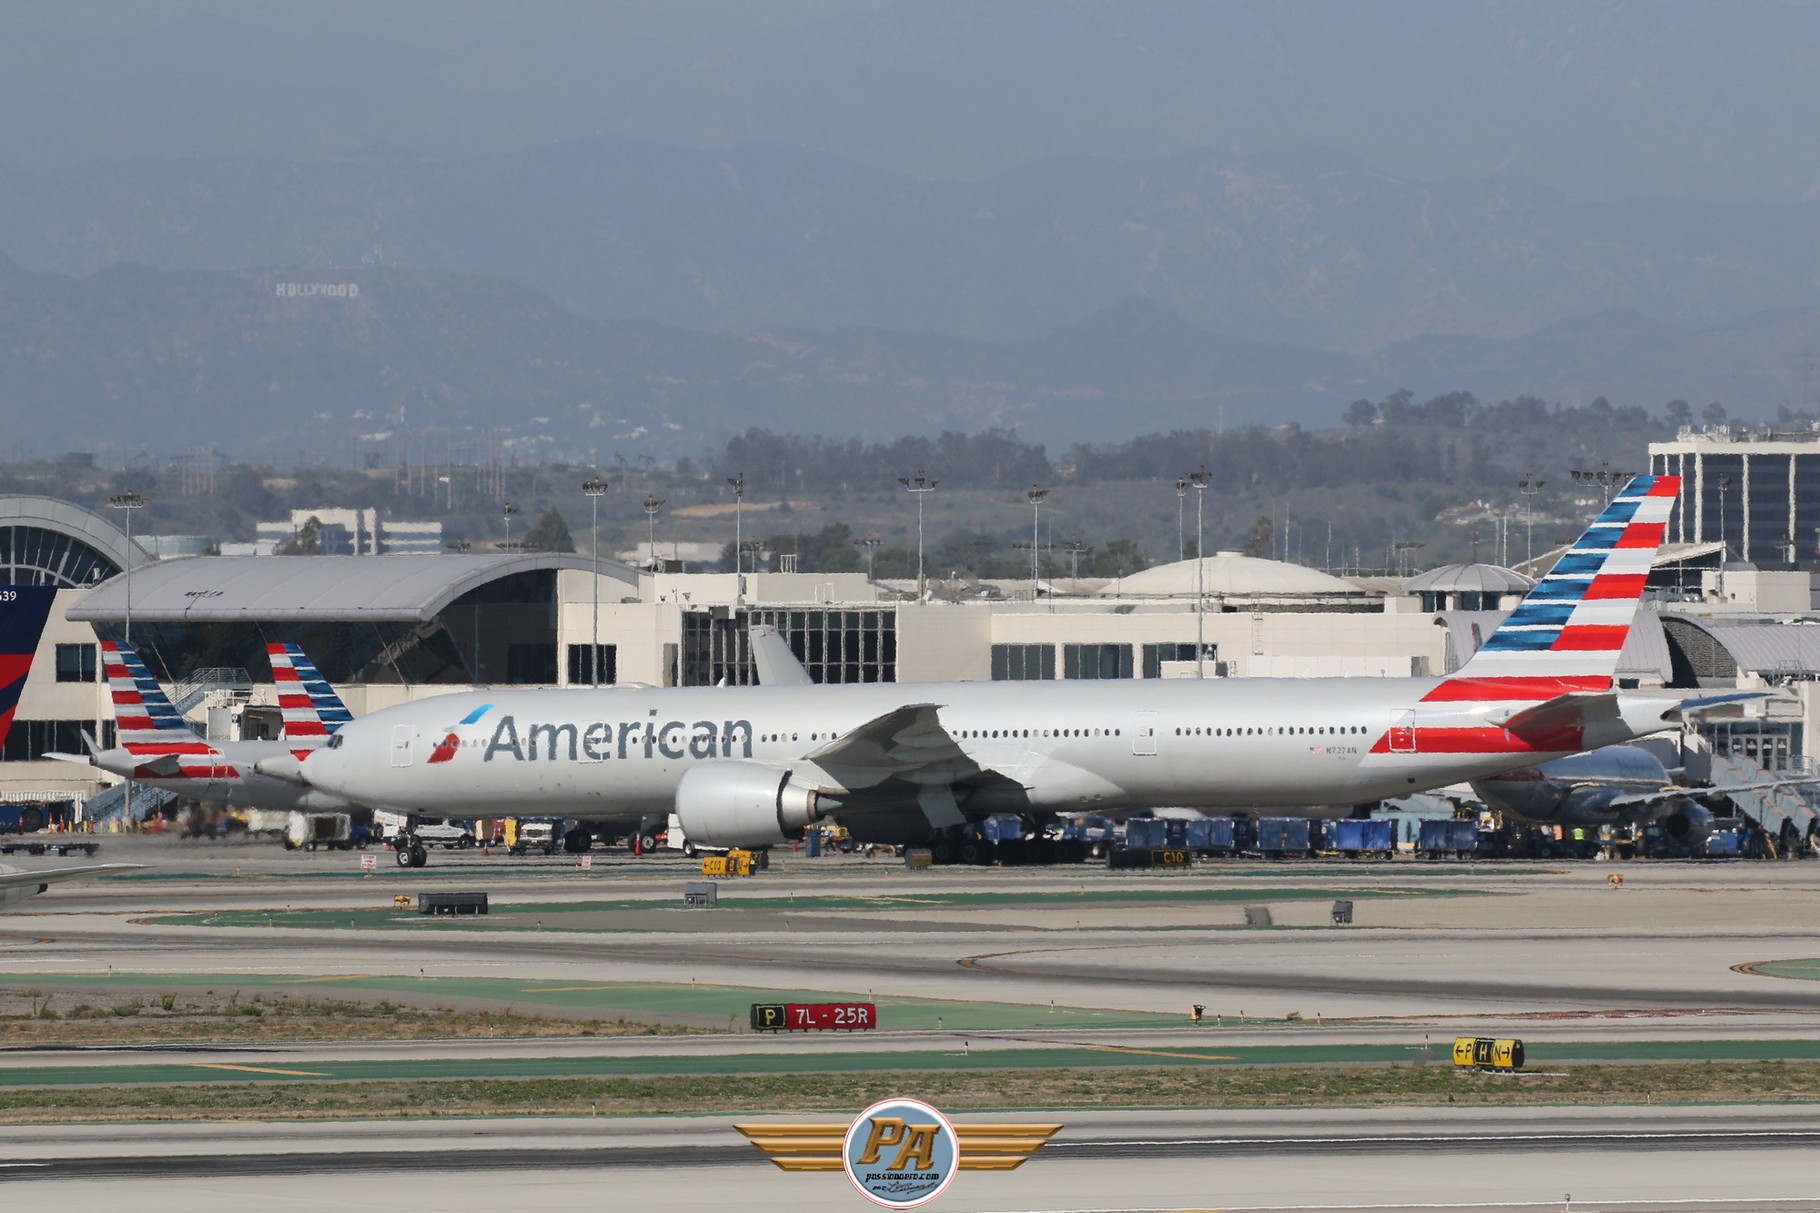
913,763
1617,785
154,746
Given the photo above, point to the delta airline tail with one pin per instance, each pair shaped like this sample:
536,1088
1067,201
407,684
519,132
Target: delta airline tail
312,710
23,610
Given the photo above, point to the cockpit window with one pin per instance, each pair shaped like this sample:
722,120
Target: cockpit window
335,742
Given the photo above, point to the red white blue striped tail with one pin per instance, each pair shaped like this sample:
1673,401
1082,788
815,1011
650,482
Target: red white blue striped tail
1568,630
142,713
311,708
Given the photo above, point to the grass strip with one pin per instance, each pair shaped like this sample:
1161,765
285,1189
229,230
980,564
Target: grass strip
584,915
1233,1087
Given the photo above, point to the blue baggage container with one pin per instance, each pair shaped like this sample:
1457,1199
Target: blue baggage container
1448,835
1002,827
1278,835
1210,834
1350,834
1146,833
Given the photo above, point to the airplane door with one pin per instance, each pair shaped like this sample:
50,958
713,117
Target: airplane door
1403,734
403,735
1143,737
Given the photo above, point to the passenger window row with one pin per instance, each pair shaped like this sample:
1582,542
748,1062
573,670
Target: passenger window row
1275,731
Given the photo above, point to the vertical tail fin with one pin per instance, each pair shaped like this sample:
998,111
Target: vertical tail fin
1568,630
23,611
143,715
311,708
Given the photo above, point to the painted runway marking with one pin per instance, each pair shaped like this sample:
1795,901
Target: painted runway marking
204,1065
300,981
1604,1203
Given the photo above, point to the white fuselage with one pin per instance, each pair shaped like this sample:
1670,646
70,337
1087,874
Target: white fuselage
1048,746
227,776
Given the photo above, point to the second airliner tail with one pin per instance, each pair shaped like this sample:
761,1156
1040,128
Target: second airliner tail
1567,632
311,708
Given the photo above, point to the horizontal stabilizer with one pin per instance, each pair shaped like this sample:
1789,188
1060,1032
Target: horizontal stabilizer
1570,711
1707,705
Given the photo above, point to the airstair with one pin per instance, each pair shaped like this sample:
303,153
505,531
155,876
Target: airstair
1784,813
110,803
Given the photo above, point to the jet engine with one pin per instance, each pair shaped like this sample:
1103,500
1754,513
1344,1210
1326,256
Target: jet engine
731,803
1690,823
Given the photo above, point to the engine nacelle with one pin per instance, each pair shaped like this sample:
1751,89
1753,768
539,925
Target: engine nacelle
1690,823
730,803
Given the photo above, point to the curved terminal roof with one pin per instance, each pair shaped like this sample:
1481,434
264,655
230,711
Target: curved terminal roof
1769,647
1229,574
1469,579
233,589
44,541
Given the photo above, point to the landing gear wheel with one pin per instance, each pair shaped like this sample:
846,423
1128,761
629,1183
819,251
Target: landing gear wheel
419,857
403,857
647,843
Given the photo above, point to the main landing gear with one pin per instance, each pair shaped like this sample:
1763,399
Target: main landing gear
408,852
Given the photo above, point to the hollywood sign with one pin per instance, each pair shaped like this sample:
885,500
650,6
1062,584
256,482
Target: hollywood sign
317,290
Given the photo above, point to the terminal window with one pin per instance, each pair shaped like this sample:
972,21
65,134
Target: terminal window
532,664
582,661
30,740
1096,661
833,645
1023,662
1156,654
75,663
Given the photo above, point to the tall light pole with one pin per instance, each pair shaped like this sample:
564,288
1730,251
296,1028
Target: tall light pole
1036,497
1725,482
127,502
653,503
594,487
1075,549
738,481
506,512
1200,479
919,486
871,543
1529,486
1181,508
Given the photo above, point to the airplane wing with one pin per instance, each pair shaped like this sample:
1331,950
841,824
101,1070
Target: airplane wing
907,743
777,665
1649,799
18,879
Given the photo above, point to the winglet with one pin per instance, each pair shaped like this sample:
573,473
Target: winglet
777,665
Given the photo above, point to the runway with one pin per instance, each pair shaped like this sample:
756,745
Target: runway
1557,955
1102,1161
